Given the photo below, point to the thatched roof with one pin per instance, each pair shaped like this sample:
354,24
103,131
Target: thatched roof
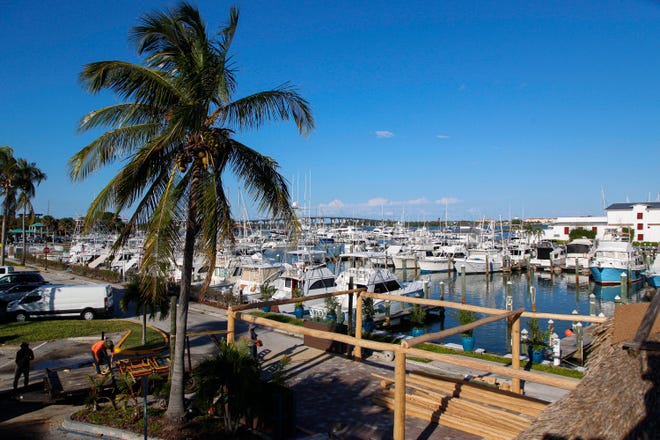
618,398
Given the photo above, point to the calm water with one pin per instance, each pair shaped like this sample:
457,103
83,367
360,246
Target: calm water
556,294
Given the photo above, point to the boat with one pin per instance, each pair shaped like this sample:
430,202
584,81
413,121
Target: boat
578,254
443,260
652,274
305,270
614,257
255,274
482,261
548,255
520,253
358,271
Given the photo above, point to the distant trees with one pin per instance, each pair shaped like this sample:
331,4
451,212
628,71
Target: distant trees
581,233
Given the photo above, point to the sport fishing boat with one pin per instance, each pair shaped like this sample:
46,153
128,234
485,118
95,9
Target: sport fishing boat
359,272
614,257
306,272
652,274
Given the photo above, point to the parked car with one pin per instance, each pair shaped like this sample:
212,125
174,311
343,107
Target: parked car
6,269
11,279
16,292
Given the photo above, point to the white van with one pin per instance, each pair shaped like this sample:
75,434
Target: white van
84,300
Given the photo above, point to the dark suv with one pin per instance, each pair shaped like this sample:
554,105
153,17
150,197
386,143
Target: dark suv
12,279
17,292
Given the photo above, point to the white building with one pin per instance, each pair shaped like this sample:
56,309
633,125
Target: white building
561,227
642,217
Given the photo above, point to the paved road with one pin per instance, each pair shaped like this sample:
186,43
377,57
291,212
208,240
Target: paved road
329,390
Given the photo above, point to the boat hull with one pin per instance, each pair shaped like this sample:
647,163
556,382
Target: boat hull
653,280
612,276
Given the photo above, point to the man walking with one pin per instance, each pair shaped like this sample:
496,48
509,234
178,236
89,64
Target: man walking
23,358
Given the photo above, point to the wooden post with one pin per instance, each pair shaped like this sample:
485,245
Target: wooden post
532,295
592,304
231,325
487,271
400,395
515,352
577,274
358,327
462,284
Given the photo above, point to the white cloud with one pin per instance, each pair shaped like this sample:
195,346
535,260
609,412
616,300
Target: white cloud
378,201
447,201
383,134
335,204
442,136
419,201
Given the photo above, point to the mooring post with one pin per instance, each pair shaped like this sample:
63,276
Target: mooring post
592,304
624,287
462,283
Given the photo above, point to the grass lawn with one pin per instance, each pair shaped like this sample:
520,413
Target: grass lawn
14,333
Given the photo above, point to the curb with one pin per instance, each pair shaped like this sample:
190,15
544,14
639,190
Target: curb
100,431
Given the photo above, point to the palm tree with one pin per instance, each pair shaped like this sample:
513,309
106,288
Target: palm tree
25,176
7,169
176,133
133,295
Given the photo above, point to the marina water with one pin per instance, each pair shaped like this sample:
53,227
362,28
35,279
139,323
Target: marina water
556,293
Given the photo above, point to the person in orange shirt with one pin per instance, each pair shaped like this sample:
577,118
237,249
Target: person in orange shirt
100,354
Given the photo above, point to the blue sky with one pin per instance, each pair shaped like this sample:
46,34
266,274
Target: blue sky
472,108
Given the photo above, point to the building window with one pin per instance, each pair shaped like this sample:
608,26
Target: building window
640,237
640,226
640,215
566,230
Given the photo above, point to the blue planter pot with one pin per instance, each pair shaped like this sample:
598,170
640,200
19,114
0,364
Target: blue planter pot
468,343
368,325
417,331
266,308
537,356
331,317
299,312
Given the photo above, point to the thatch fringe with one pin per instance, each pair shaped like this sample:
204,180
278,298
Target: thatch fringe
619,397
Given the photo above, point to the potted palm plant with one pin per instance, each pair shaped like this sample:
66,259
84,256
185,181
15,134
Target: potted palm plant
537,340
368,314
331,305
266,292
417,319
298,310
467,337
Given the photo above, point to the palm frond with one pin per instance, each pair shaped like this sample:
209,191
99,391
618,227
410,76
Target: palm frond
283,103
108,148
131,82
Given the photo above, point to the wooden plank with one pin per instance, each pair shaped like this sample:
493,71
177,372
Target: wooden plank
450,420
504,399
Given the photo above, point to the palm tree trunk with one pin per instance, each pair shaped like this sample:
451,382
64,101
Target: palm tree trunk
175,408
24,241
5,212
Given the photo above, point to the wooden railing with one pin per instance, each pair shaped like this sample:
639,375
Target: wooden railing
407,346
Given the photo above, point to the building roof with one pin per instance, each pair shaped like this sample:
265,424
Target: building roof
629,206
